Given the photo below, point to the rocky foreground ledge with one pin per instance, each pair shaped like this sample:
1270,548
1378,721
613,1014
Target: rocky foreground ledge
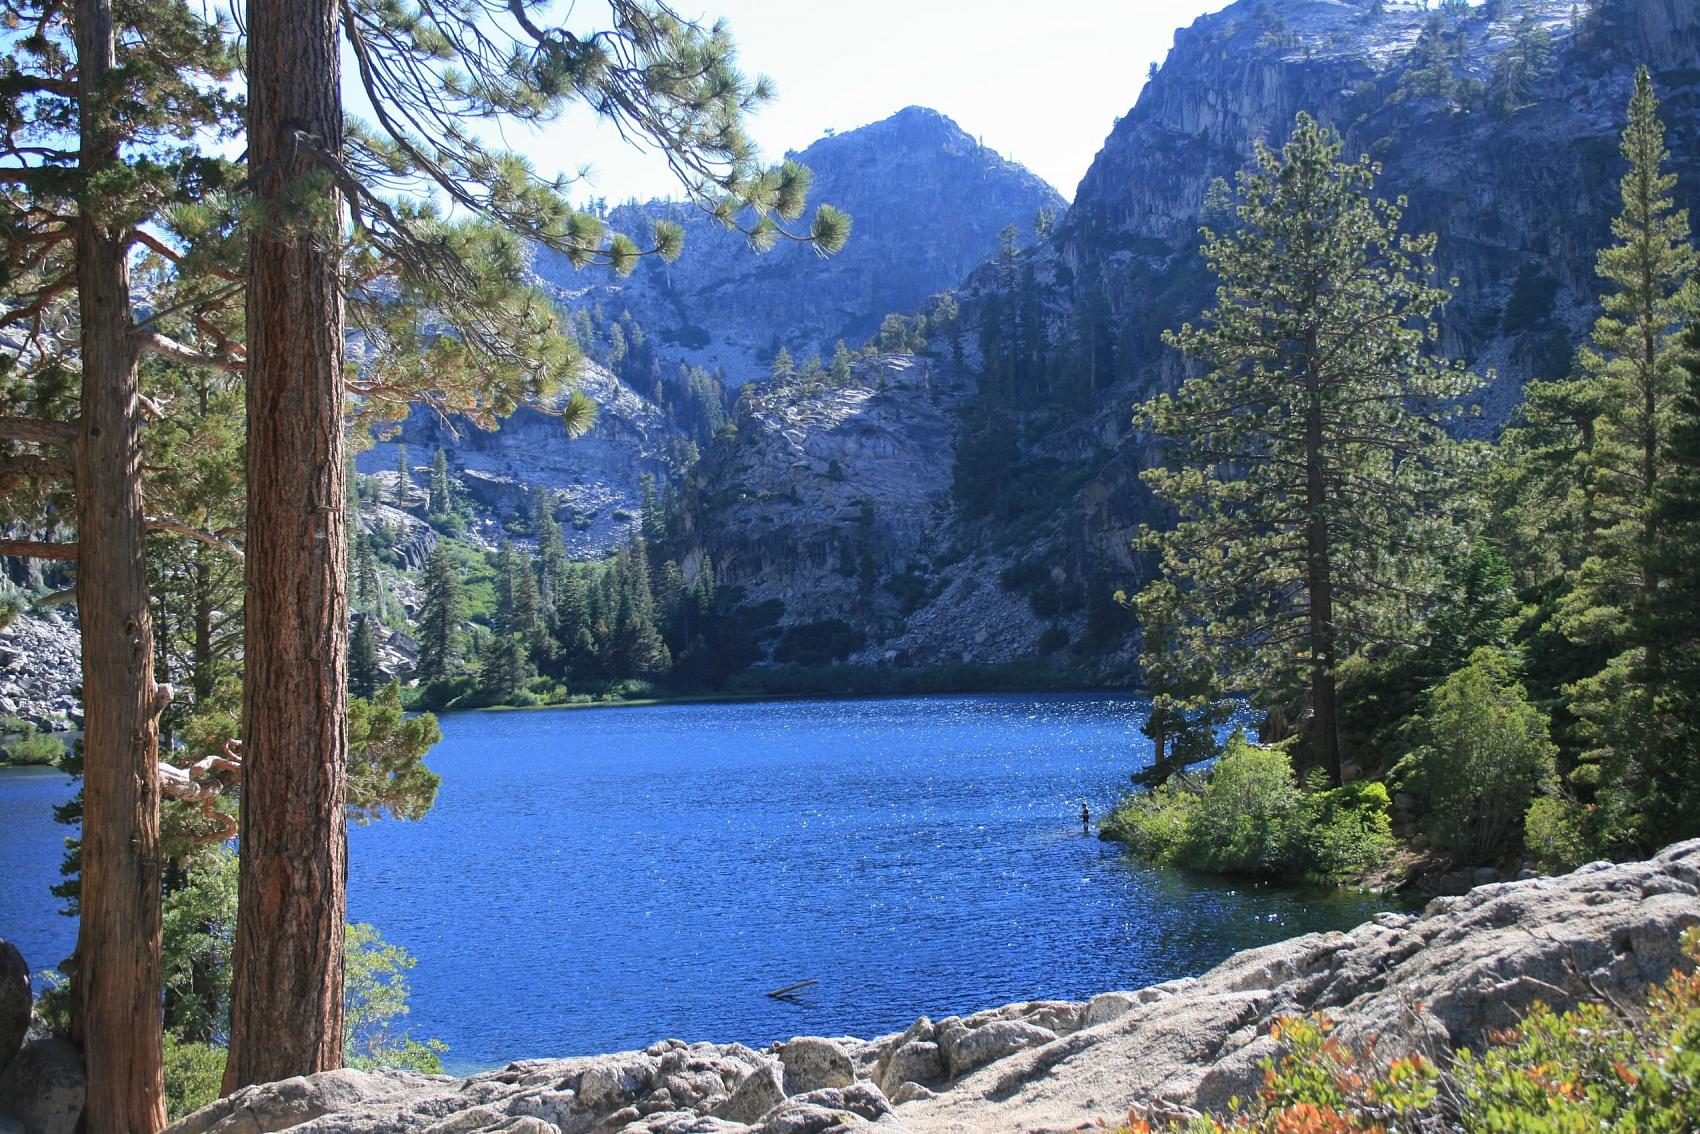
1428,982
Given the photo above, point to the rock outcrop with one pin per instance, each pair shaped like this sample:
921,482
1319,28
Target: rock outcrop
42,1085
41,670
15,1000
593,479
1427,982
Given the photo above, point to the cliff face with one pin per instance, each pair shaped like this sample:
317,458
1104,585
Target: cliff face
595,476
1522,198
926,202
836,501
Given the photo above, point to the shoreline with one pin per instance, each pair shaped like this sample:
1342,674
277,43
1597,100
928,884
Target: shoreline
1433,982
718,698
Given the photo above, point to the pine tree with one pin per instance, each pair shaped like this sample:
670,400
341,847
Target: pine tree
573,623
551,548
103,104
526,617
441,496
403,475
503,667
368,585
1309,460
838,373
440,618
1666,624
783,368
1187,705
638,647
1633,371
652,518
364,676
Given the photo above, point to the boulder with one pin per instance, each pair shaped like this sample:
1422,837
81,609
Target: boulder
812,1063
973,1048
826,1109
43,1087
917,1061
15,1001
1107,1006
759,1092
291,1102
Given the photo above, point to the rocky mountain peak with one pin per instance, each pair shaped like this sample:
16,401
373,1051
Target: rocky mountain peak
926,200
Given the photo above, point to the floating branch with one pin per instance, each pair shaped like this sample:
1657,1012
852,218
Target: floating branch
781,993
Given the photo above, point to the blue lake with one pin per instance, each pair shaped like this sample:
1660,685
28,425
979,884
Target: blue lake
597,880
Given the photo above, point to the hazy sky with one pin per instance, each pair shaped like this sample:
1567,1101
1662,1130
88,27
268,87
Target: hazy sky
1041,83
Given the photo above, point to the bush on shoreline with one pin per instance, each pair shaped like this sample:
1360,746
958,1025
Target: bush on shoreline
1484,755
1249,815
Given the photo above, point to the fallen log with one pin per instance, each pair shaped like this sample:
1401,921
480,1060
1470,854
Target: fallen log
791,988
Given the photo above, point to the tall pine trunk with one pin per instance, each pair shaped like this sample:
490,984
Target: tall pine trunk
1324,721
118,971
286,1001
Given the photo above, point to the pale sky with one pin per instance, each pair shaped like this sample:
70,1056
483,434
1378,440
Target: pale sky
1041,83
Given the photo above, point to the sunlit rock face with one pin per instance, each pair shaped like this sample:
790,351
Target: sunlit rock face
1522,200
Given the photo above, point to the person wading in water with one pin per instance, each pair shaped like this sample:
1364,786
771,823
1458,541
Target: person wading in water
1085,819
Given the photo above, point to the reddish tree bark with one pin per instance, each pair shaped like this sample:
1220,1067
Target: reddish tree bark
286,1001
118,971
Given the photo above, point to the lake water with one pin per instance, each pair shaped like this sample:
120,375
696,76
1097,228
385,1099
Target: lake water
597,880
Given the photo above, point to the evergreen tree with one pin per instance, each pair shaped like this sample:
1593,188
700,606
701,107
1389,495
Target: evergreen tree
551,549
573,623
652,518
368,585
839,370
783,368
526,616
103,108
364,676
665,80
503,667
441,496
1521,65
638,646
440,618
403,475
1665,625
1187,705
1308,461
1633,371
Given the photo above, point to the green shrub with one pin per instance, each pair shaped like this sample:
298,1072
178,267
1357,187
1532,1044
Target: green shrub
1485,753
34,748
1350,829
193,1072
1555,831
1250,816
375,992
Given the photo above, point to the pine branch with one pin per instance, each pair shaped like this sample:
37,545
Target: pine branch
38,549
164,524
38,431
155,343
